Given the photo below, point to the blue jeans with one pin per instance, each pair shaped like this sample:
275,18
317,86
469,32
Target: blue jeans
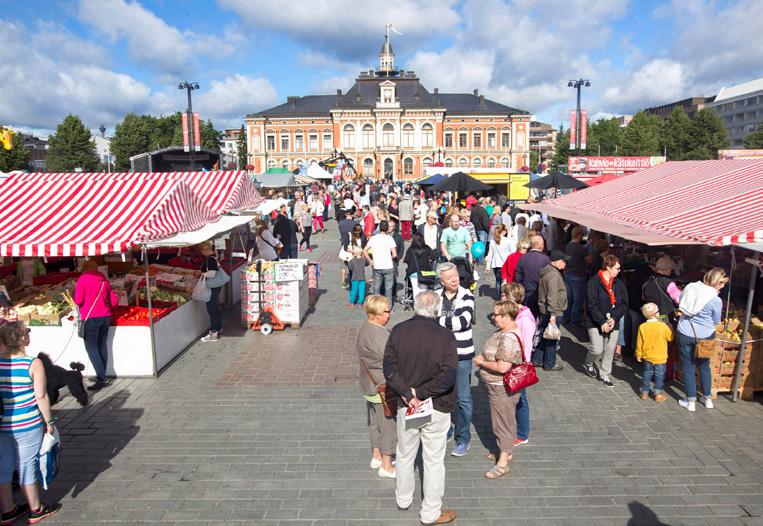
18,452
523,416
96,336
213,309
653,369
498,280
357,292
462,416
575,298
546,351
689,363
385,277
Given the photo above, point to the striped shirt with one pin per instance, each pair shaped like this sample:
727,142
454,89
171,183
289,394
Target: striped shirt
20,411
458,320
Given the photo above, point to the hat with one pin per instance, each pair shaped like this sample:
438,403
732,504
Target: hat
558,255
664,264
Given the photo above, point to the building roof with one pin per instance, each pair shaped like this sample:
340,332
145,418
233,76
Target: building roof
740,90
409,92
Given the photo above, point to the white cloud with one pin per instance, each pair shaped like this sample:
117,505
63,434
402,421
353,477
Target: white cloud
227,101
348,28
454,69
656,81
150,40
54,39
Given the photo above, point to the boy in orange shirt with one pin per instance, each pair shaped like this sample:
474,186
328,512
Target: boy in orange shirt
652,349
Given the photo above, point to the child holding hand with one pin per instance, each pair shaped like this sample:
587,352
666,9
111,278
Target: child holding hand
652,349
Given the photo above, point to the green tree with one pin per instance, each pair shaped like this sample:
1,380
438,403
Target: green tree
641,136
17,158
754,140
603,137
676,135
707,136
132,137
534,159
561,150
72,147
243,151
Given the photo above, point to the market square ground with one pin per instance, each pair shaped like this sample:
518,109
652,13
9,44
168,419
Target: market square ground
272,431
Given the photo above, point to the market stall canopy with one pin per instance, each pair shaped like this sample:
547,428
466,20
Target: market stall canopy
431,180
92,216
316,172
304,180
461,183
602,179
557,180
279,170
692,202
209,231
276,180
221,191
268,205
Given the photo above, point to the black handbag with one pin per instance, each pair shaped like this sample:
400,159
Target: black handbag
425,277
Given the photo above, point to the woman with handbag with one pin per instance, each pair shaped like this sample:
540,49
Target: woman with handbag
382,429
26,413
215,277
700,307
95,299
502,351
499,250
420,259
268,246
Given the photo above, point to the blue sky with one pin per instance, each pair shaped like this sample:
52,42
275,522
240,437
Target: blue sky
103,58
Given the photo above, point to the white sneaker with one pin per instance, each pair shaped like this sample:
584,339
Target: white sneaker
375,463
688,404
211,337
707,401
383,473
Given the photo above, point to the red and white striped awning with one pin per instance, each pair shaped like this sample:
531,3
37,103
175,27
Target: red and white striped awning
90,216
221,191
706,202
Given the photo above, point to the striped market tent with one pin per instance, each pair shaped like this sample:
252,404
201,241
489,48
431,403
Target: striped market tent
221,191
691,202
88,216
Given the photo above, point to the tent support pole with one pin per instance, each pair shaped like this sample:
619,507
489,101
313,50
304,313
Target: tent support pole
150,311
740,357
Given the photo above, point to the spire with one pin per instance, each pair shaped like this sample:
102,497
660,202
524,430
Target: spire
387,56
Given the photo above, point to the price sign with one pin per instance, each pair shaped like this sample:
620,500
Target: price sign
289,271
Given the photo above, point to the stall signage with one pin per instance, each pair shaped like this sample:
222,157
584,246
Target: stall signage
289,271
622,164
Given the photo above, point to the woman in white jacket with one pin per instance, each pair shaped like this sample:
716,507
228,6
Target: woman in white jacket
316,208
502,247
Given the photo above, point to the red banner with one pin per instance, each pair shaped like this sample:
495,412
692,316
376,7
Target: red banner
612,164
573,129
583,128
186,142
196,133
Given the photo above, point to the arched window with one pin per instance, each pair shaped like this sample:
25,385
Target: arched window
426,135
477,139
299,163
448,138
368,137
312,140
521,140
299,140
388,168
284,141
463,138
491,139
388,135
477,162
408,136
491,163
505,139
408,167
427,161
285,163
271,142
368,167
348,137
505,162
272,163
448,162
462,162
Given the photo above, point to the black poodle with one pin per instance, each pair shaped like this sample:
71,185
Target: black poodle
59,377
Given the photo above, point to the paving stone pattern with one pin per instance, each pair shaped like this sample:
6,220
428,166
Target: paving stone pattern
272,431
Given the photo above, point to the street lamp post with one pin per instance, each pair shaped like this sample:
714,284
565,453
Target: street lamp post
578,84
189,87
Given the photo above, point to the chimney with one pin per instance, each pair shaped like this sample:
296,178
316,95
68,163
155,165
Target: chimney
292,100
338,92
476,93
436,91
482,100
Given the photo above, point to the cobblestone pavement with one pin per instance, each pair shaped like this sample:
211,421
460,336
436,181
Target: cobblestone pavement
271,431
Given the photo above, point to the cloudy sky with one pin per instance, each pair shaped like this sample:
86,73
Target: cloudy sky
100,59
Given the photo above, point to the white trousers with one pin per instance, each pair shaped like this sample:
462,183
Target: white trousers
415,287
433,438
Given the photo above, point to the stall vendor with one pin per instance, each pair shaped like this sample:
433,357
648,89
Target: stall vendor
29,268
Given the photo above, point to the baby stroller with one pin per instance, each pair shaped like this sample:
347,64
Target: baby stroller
424,276
465,272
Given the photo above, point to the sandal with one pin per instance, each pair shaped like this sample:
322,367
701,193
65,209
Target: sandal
497,472
491,456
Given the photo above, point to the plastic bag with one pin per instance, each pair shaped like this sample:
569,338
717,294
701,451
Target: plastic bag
552,332
201,292
49,458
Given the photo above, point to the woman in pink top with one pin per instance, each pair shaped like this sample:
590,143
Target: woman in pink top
95,299
526,326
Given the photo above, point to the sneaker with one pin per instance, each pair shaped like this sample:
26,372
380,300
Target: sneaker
591,370
211,337
97,385
520,441
645,396
707,401
12,516
383,473
660,398
537,364
460,450
687,404
375,463
45,511
556,367
606,381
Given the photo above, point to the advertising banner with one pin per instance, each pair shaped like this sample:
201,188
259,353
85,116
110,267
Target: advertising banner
583,128
573,129
186,141
611,164
196,133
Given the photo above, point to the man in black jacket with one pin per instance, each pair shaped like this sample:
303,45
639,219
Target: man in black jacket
481,223
285,230
420,362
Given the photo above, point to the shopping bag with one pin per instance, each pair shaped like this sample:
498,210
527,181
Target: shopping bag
219,279
552,332
201,292
49,458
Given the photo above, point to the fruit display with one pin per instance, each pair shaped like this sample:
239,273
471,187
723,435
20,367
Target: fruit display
136,316
167,296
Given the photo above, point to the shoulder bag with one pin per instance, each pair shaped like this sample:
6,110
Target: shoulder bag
521,375
219,279
81,322
703,349
387,398
425,277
